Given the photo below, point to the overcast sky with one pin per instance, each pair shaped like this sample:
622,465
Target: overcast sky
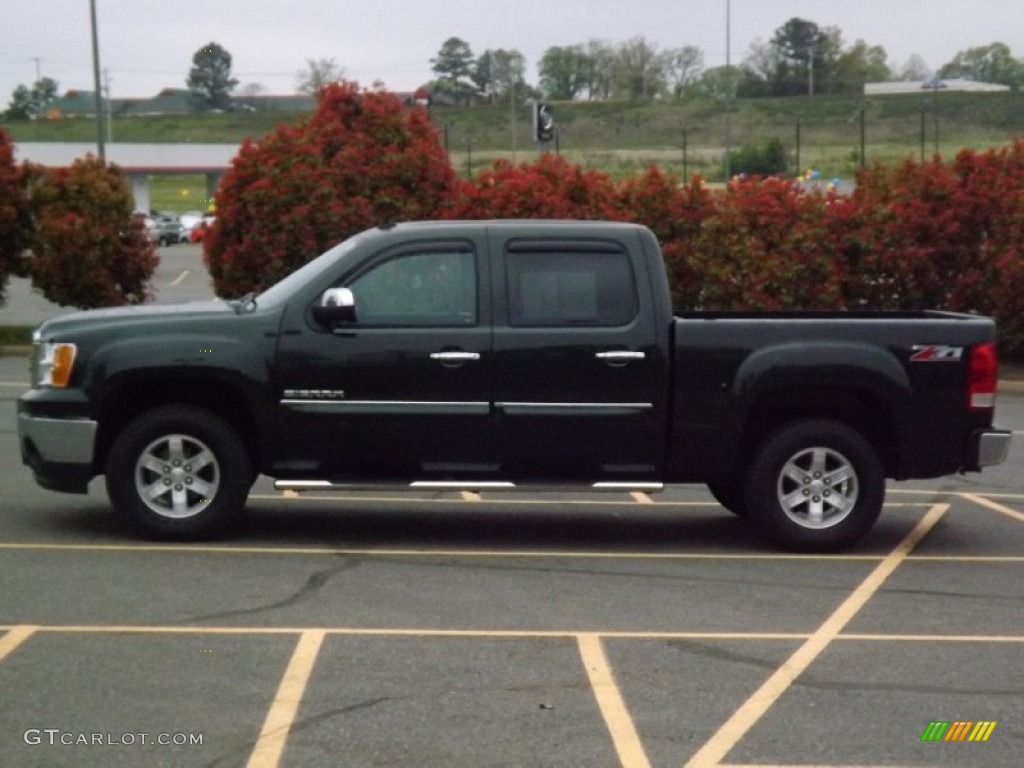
146,45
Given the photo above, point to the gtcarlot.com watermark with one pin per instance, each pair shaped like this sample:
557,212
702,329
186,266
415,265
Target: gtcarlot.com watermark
59,737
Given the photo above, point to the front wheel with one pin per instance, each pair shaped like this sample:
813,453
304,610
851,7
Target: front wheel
815,486
178,471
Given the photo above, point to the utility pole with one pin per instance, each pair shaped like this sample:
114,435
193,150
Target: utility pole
810,69
729,85
100,144
110,112
37,59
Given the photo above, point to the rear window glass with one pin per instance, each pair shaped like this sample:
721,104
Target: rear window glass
572,288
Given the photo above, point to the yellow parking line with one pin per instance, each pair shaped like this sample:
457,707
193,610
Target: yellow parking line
18,384
510,553
467,553
270,745
642,498
936,638
754,708
522,634
982,501
471,496
15,636
25,631
180,278
609,700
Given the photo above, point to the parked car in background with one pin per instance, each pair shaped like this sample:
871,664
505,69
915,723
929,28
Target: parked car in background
189,221
167,229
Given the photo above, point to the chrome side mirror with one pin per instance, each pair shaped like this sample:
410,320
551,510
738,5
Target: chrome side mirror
336,305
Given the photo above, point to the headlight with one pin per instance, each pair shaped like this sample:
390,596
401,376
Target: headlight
54,364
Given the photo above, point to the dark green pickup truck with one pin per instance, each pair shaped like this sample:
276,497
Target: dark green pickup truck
506,355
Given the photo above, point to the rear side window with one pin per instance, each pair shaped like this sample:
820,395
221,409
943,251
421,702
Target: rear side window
579,287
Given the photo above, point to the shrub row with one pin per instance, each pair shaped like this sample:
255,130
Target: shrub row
934,235
916,235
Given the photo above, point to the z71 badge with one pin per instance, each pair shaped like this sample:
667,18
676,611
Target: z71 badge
936,353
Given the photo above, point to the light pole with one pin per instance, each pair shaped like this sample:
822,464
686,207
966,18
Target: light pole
100,145
729,86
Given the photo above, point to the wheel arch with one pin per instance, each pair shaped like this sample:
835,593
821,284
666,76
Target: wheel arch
133,396
862,410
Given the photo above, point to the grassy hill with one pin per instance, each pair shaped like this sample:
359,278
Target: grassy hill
620,137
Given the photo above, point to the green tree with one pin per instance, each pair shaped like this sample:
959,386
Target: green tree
498,72
639,70
454,67
29,103
682,67
15,221
719,83
987,64
209,81
564,72
88,249
318,74
915,68
861,64
600,69
361,160
807,56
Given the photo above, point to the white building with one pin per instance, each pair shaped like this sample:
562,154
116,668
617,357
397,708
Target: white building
932,85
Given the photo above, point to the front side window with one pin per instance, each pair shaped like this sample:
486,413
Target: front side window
431,288
572,288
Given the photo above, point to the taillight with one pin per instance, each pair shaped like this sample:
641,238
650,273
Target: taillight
982,377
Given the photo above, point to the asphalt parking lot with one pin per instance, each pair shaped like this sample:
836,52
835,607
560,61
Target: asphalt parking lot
511,630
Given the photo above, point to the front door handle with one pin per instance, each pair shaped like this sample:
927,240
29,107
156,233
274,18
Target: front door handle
454,357
620,356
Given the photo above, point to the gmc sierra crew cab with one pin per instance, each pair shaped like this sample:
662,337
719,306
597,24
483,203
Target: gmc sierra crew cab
506,355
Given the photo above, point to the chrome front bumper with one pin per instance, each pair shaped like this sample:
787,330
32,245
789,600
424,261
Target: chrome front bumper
60,451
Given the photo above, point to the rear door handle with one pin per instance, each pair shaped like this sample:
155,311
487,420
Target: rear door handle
620,356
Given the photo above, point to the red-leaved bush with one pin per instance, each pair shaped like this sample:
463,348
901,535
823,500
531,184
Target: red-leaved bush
551,188
15,221
88,249
911,236
361,160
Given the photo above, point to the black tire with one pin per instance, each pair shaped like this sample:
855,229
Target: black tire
815,486
193,461
729,493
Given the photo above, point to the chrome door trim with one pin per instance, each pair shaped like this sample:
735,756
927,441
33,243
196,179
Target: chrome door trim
620,355
573,409
389,407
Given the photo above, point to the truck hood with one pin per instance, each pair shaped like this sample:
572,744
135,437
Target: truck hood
97,318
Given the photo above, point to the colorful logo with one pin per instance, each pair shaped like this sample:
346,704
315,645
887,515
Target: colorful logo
958,730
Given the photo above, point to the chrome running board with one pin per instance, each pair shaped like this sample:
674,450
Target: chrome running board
467,485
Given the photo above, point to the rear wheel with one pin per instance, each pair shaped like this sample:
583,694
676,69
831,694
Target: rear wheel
178,471
815,486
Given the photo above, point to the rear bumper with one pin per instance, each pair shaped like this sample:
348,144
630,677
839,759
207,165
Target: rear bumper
987,447
59,451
